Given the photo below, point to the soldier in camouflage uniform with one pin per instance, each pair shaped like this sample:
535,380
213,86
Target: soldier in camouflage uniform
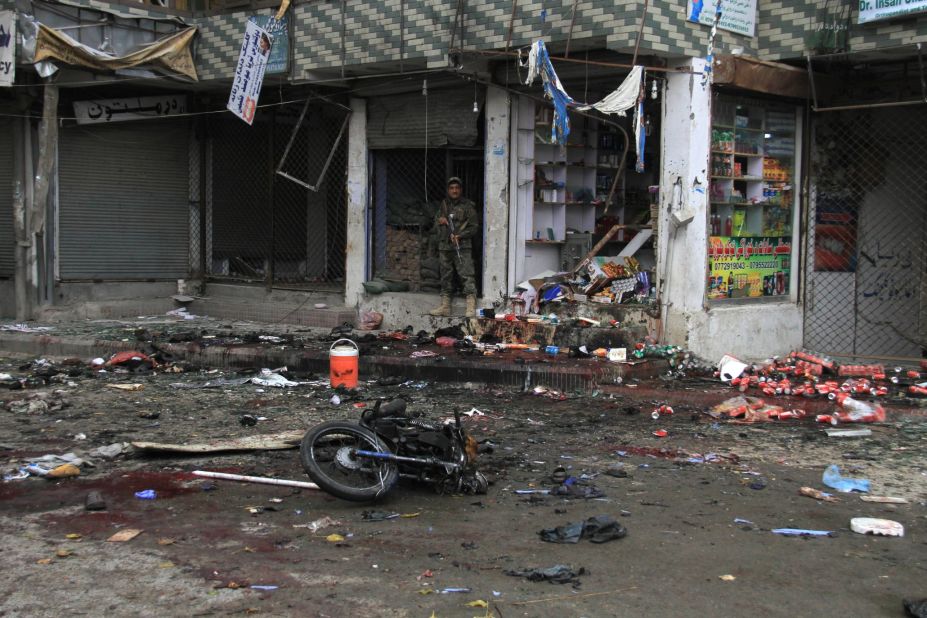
456,223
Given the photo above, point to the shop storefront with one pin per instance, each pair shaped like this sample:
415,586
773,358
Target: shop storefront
753,213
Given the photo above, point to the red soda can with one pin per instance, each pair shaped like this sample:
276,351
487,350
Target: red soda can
811,358
914,374
914,389
826,418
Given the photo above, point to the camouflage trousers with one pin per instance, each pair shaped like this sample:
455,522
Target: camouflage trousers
462,267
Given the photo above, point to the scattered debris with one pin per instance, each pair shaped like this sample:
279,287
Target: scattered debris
254,479
318,524
817,494
832,478
802,532
557,574
597,529
883,499
269,378
877,527
916,608
127,387
847,433
265,442
126,534
95,502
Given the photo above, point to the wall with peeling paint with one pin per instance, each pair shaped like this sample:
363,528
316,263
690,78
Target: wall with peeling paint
755,330
496,197
356,250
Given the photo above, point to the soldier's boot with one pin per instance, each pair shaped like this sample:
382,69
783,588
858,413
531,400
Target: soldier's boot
444,309
471,306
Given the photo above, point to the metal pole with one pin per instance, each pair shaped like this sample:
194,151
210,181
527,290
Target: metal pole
508,38
566,52
870,106
269,275
204,162
640,31
597,63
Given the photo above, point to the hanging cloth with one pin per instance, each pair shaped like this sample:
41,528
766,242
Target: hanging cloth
622,98
640,135
539,64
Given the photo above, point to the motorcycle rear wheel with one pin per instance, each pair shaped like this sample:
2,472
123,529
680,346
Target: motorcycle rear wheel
327,453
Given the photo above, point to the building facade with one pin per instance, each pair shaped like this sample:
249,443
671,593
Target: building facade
777,204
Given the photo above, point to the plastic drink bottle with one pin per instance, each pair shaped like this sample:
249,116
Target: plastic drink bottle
855,411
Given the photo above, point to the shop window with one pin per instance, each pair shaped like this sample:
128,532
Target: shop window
753,198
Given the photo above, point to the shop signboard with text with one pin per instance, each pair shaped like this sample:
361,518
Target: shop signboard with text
278,59
748,267
737,16
7,47
876,10
249,72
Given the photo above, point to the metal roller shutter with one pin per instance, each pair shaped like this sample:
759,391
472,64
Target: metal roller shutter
124,201
7,256
399,121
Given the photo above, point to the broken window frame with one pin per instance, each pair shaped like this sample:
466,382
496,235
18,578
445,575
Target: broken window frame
331,153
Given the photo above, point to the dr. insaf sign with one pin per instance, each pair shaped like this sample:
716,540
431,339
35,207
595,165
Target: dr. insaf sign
249,74
875,10
7,48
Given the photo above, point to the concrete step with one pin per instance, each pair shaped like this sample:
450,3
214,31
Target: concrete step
297,314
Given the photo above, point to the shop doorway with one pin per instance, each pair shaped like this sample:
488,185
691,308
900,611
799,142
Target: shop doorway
408,186
866,271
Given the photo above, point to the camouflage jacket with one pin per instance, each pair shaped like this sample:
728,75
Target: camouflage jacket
462,215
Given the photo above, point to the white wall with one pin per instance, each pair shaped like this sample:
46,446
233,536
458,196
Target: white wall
750,331
496,195
356,250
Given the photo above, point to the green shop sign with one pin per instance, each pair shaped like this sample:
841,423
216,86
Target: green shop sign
876,10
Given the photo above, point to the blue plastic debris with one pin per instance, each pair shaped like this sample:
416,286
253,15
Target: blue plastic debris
453,590
146,494
740,520
261,587
833,479
802,532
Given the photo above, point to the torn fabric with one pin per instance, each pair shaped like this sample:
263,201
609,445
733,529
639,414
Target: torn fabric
623,97
640,135
539,64
170,54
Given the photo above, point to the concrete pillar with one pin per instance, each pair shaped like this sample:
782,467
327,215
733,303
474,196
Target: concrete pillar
496,195
356,249
752,330
683,266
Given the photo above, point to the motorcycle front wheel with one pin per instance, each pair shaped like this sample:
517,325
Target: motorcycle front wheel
329,455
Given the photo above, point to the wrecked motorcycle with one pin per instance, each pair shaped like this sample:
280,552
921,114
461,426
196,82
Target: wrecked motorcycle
362,461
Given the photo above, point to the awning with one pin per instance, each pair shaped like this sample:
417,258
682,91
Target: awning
761,76
170,54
